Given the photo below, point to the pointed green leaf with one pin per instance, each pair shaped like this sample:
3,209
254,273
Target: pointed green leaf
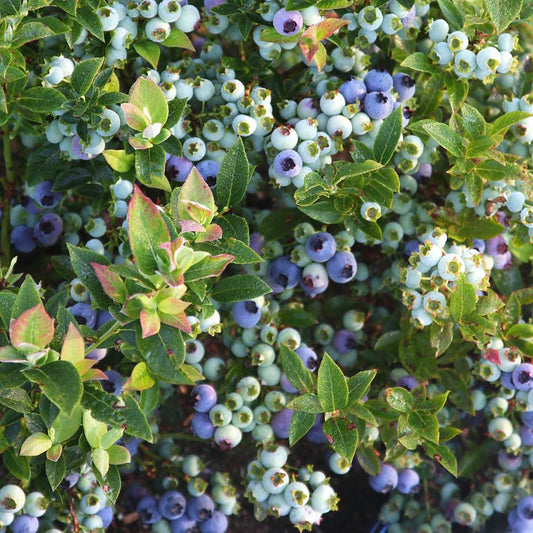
388,136
301,423
332,388
239,288
463,299
298,375
342,437
233,177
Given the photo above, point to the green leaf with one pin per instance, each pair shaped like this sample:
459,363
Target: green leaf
388,136
457,90
446,137
178,39
90,20
150,168
474,122
420,62
242,253
280,222
147,231
503,12
525,331
119,160
308,403
298,375
452,14
103,405
27,297
474,186
399,399
84,74
141,378
342,437
296,318
17,465
149,98
175,111
359,384
440,337
81,259
332,388
65,425
55,471
503,123
442,455
234,226
301,423
35,444
60,383
8,8
16,399
194,201
136,422
432,405
100,459
41,99
368,460
148,50
462,299
118,455
233,177
211,266
426,425
239,288
323,211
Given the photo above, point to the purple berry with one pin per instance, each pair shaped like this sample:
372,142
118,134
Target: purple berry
203,398
524,510
288,163
352,90
178,168
147,510
25,524
342,267
202,426
200,508
408,481
246,314
183,525
344,341
404,85
45,197
526,434
48,229
378,105
171,505
523,377
308,356
208,169
106,514
283,274
84,315
378,80
321,247
280,423
114,382
386,480
218,523
288,22
22,239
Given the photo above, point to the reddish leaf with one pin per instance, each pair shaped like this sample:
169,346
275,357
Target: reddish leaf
309,43
179,321
329,26
191,225
212,233
111,282
135,118
93,373
150,323
138,143
33,326
73,349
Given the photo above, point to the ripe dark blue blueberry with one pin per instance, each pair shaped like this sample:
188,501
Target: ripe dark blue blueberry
84,315
280,423
378,105
200,508
172,505
308,356
44,196
342,267
48,229
283,274
352,90
148,511
22,239
114,382
203,398
404,85
178,168
202,426
386,480
183,525
321,247
25,524
246,314
208,169
523,377
408,481
378,80
106,514
218,523
344,341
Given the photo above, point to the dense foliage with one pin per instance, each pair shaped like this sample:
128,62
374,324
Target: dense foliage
251,247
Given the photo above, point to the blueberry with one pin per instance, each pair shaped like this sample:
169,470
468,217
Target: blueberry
148,511
48,229
12,498
378,80
208,169
288,163
344,341
352,90
84,315
281,422
378,105
45,197
404,85
287,22
386,480
183,525
178,168
523,377
200,508
283,274
342,267
114,382
171,505
203,398
25,524
407,382
246,314
22,239
408,481
321,247
218,523
106,514
308,356
202,426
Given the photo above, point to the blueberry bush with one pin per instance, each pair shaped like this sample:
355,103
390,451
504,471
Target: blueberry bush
266,260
